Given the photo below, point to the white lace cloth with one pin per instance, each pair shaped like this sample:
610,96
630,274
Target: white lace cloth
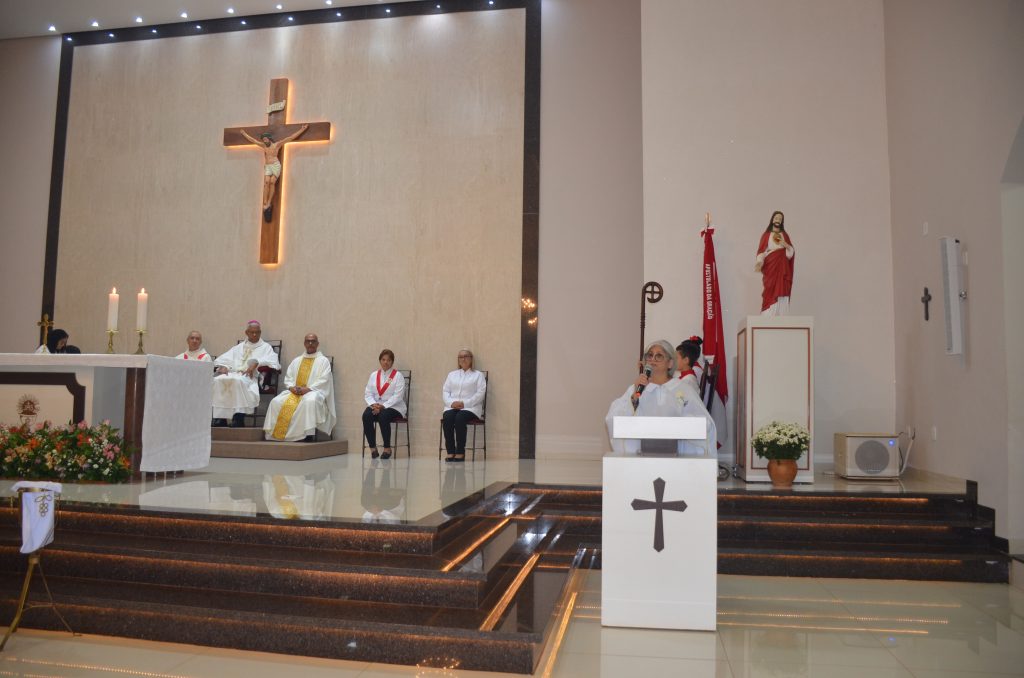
176,426
38,510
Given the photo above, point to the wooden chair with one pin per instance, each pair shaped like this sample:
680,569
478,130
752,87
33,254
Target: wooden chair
708,381
474,423
401,420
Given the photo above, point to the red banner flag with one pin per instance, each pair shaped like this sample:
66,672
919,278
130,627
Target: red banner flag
714,337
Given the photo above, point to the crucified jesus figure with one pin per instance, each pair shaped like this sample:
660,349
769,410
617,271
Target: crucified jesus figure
271,164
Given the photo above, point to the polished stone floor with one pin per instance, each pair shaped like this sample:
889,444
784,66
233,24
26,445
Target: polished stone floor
355,488
832,628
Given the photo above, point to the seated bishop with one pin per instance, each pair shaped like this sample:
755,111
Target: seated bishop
195,351
235,389
307,403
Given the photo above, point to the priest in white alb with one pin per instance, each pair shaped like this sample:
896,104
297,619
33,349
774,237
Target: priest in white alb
236,391
307,403
195,348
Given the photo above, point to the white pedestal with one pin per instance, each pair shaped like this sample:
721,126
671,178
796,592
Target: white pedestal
671,588
775,382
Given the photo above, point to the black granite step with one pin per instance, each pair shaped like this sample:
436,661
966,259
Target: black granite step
847,563
400,634
461,580
738,502
888,529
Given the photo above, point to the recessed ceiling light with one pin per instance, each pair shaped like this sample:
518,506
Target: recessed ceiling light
154,31
52,28
198,27
95,24
231,10
110,34
68,38
138,19
243,22
388,10
279,6
184,15
329,2
337,14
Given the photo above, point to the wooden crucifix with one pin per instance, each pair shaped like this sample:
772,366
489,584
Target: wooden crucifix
271,138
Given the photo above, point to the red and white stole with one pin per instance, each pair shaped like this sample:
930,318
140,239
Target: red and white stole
683,374
198,357
380,390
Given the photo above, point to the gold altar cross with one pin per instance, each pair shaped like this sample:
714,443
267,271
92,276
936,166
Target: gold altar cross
44,326
281,132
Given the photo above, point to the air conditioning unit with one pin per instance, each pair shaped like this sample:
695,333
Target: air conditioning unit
867,455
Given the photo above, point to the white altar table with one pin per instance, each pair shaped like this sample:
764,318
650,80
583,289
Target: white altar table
161,405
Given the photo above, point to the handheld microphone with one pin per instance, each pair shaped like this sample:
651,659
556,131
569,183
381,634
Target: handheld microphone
640,388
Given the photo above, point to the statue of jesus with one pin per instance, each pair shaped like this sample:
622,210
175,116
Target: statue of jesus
775,258
271,164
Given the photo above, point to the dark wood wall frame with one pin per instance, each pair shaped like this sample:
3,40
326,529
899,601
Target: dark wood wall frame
531,144
67,379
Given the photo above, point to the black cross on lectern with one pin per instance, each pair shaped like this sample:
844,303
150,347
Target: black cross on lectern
658,505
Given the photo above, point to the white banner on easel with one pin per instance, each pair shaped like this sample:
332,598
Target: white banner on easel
38,513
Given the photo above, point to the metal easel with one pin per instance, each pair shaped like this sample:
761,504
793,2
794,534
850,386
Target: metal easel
34,561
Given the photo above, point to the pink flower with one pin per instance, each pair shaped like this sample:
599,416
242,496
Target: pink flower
82,424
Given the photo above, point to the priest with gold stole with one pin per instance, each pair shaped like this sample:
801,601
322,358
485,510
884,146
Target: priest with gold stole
307,403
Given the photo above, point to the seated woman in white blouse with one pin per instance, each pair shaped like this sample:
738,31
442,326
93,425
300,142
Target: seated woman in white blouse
385,402
463,395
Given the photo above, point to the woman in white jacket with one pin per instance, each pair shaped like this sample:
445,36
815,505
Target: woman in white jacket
463,395
385,402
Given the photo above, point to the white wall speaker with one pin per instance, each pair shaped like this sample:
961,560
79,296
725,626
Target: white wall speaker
953,294
867,455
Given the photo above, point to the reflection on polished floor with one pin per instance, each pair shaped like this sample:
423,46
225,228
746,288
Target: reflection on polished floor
350,487
767,626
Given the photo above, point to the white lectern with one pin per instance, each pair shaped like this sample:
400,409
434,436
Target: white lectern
659,533
775,382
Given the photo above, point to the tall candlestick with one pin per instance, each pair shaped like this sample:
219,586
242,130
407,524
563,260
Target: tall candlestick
140,317
112,310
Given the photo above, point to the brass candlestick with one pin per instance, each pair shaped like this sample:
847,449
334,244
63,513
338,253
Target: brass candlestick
140,350
110,340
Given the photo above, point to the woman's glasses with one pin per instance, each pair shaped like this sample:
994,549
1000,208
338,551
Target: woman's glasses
655,357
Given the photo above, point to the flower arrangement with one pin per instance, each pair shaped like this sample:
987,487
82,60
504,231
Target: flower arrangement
781,441
65,453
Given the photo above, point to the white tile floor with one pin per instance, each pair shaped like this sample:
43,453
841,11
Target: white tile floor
768,626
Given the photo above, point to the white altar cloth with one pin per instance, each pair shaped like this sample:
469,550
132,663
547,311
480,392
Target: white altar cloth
175,432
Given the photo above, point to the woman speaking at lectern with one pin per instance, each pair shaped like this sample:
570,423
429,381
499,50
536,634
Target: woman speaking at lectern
655,393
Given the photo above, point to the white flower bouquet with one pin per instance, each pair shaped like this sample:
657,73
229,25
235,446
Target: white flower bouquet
781,441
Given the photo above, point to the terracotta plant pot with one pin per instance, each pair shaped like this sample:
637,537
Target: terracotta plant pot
782,472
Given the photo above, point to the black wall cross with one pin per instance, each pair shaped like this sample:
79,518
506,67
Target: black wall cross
924,300
658,505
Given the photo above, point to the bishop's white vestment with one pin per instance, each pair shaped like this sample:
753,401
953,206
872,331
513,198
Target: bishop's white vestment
234,392
291,417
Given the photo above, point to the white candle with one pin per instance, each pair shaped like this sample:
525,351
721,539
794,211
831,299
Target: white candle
140,317
112,309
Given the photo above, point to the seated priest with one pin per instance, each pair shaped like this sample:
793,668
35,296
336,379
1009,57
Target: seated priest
236,392
195,351
307,403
